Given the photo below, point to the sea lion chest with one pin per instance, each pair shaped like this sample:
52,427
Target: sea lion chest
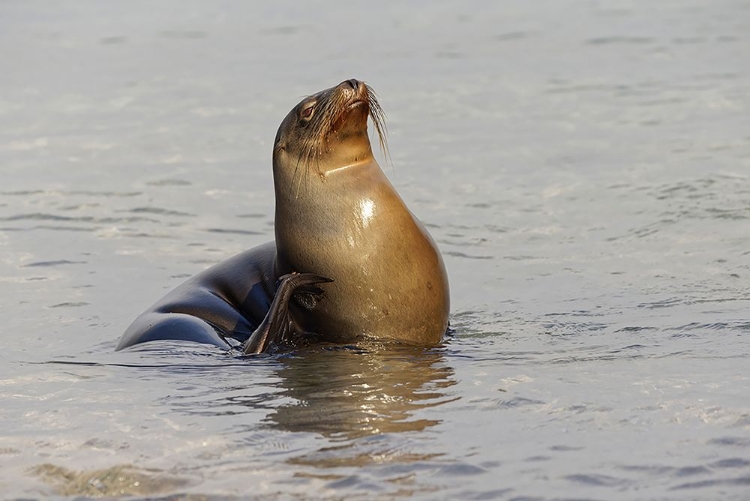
352,226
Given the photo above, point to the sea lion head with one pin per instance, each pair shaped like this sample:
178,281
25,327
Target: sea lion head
327,131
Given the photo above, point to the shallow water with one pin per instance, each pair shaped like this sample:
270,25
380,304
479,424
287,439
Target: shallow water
584,167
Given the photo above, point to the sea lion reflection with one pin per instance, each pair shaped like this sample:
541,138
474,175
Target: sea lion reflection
351,393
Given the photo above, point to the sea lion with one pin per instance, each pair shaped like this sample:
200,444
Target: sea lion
350,261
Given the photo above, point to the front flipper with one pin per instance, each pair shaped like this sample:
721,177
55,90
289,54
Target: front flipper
278,325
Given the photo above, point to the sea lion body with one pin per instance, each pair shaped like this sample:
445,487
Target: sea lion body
338,220
223,303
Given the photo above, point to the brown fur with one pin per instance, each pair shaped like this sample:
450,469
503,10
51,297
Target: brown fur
338,216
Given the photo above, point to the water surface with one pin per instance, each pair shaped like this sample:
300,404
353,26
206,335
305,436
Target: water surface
583,166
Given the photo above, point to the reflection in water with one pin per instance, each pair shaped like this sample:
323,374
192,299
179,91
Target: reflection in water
351,393
355,396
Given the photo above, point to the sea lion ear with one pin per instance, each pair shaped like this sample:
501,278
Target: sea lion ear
279,143
282,134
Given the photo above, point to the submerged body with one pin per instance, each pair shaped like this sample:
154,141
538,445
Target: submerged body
222,304
350,259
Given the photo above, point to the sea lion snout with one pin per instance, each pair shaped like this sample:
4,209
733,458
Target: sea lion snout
354,90
352,82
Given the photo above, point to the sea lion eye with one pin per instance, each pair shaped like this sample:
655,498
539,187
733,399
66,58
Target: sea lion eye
307,111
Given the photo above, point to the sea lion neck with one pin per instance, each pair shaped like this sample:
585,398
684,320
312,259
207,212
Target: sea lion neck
328,205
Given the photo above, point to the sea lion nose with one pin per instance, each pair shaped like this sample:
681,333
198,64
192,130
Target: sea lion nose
353,83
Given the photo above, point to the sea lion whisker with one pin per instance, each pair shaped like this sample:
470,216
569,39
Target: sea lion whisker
378,120
304,159
297,179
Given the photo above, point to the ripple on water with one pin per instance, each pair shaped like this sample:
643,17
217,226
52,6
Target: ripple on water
465,256
630,40
52,228
37,216
716,197
740,441
59,262
689,471
233,231
681,473
738,326
742,481
70,305
169,182
159,211
597,480
66,193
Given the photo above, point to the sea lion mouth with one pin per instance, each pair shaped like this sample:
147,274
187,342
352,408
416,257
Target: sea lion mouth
357,103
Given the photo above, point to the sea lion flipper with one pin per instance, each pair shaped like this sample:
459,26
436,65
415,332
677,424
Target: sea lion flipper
278,326
309,294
